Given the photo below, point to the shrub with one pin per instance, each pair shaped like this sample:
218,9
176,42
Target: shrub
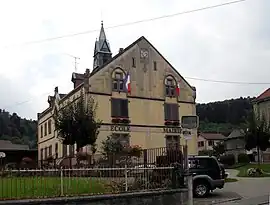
206,153
254,172
227,159
243,158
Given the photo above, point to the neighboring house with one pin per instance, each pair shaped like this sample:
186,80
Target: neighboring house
149,114
206,141
15,152
261,106
235,143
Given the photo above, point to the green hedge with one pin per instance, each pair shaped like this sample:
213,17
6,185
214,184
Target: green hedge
243,158
228,159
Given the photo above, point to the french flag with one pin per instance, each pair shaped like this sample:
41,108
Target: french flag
128,86
178,89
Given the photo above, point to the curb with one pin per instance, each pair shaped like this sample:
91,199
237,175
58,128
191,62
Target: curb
228,200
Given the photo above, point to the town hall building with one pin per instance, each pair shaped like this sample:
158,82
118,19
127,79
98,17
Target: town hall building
142,99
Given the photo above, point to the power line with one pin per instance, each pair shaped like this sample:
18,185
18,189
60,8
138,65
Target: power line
192,78
228,82
24,102
129,23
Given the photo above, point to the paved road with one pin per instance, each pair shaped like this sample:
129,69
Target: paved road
252,191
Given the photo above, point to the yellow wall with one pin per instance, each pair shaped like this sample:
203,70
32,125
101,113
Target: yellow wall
146,100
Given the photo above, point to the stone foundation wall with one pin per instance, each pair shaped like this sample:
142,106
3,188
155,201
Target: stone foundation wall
168,197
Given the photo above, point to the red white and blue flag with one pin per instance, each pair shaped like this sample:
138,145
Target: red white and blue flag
127,83
178,89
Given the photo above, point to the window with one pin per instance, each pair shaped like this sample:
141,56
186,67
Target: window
202,163
41,131
46,152
170,87
133,62
71,150
56,150
45,133
171,112
155,65
50,126
201,144
50,150
118,82
172,141
64,150
123,138
119,107
41,154
210,143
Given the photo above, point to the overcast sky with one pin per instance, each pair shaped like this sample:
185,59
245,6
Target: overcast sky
230,43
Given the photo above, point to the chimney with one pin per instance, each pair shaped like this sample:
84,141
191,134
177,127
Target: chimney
121,50
77,79
86,80
56,89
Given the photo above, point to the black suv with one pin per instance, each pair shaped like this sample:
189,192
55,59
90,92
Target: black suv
208,174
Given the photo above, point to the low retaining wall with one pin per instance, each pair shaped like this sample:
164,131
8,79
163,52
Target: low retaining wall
168,197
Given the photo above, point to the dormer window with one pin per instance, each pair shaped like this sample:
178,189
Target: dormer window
170,87
118,81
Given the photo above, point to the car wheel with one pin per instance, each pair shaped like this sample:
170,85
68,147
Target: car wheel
201,189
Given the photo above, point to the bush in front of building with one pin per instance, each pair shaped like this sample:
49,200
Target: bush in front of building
228,159
206,152
243,158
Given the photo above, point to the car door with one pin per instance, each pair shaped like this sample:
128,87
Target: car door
210,167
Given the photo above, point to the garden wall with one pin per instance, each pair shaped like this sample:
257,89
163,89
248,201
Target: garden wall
172,197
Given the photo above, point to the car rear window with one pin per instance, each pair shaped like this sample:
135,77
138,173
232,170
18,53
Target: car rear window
203,163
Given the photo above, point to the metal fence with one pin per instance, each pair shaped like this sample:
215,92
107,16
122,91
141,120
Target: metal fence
39,183
163,155
151,169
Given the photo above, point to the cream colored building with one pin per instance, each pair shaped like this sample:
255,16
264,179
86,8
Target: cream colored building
150,114
261,106
206,141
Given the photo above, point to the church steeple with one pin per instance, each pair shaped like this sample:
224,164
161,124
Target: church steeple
102,52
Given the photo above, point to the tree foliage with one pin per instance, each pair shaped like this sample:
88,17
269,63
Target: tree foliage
224,116
18,130
258,133
111,146
218,149
77,123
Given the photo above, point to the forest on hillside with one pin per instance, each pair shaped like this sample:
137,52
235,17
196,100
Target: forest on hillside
18,130
222,117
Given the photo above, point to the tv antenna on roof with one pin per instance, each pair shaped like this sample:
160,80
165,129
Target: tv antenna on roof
75,58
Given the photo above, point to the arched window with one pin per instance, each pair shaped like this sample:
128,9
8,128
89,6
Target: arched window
170,87
118,78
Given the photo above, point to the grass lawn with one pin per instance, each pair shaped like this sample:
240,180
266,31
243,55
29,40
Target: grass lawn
39,187
264,167
229,180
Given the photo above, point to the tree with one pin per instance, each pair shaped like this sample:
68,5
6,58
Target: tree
218,149
257,134
77,123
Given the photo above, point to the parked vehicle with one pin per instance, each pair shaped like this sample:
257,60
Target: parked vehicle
208,174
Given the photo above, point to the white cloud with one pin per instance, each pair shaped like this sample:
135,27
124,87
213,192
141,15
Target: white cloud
227,43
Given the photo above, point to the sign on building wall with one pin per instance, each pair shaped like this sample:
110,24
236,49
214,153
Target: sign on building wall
120,128
189,122
172,130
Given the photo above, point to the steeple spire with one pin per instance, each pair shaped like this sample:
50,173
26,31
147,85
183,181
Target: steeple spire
102,35
102,52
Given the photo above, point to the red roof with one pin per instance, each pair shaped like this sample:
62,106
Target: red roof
265,94
212,136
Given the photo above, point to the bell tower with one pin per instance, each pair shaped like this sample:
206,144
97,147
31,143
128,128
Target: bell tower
102,52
